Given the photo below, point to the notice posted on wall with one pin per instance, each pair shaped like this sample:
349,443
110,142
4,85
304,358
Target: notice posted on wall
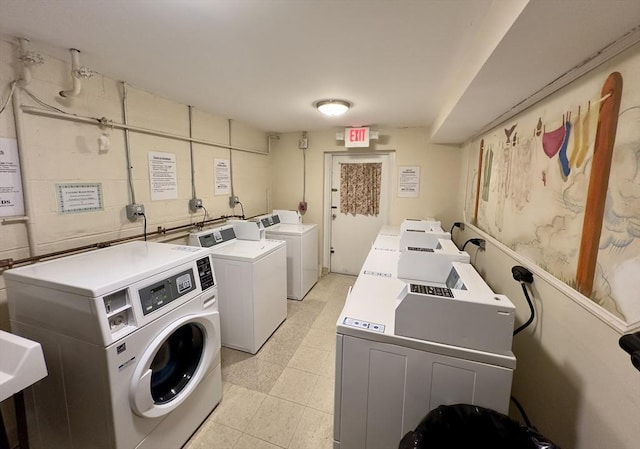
222,171
163,176
11,200
408,182
79,198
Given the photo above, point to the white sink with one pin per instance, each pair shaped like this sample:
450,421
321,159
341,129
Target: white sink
21,364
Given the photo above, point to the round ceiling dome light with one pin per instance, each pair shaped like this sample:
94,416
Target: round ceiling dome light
333,108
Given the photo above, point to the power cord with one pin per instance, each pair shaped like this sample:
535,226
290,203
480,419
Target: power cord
145,226
478,242
631,344
204,217
13,88
524,276
42,103
457,224
522,412
242,208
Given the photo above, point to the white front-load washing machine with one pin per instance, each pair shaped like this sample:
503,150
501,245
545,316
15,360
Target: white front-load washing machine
252,285
302,252
131,339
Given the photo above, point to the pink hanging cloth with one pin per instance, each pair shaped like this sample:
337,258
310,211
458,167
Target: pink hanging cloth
552,140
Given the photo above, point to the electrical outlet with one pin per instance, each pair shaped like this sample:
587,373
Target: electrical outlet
233,200
195,204
134,211
521,274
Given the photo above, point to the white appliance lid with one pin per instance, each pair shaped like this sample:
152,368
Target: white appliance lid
99,272
246,250
290,229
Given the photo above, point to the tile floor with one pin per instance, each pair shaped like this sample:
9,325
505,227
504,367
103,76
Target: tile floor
282,397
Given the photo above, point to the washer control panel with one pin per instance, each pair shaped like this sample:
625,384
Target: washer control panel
417,248
431,290
162,293
205,271
271,220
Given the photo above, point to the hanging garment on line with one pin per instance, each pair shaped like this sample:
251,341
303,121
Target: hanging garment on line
575,148
552,140
562,155
584,141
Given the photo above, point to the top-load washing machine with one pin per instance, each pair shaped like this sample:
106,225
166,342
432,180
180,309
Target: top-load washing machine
302,249
131,339
252,279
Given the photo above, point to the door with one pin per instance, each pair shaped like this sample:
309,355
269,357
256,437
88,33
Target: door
353,235
174,364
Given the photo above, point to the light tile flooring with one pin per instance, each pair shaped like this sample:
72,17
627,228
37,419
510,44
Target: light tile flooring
282,397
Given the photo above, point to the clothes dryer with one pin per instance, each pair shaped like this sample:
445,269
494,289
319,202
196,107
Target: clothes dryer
131,338
302,252
401,352
252,279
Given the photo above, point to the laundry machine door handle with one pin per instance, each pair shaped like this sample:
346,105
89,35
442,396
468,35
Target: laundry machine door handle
143,400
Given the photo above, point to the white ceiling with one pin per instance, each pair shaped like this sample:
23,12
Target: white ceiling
452,65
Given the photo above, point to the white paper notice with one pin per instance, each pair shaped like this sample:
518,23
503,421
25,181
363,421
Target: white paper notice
11,201
163,176
408,182
78,198
223,177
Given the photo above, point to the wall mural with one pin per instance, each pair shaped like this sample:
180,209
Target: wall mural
537,185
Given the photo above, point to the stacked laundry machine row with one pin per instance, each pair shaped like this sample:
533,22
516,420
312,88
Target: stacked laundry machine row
131,334
252,279
260,263
420,328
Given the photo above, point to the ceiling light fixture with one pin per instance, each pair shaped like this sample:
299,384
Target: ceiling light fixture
333,108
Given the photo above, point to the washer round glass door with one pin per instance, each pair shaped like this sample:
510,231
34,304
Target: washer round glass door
174,364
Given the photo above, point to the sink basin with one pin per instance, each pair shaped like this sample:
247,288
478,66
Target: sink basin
21,364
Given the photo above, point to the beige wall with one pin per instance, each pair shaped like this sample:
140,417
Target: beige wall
576,384
60,151
439,174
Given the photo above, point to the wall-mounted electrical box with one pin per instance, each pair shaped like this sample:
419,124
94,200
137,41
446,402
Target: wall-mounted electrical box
195,204
134,211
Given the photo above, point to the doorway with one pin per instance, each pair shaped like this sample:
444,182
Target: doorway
348,237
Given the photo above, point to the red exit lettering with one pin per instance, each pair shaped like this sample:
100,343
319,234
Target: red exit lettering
356,134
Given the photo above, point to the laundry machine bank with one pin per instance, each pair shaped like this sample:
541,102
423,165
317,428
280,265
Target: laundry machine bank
131,338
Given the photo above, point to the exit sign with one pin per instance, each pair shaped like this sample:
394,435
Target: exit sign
356,137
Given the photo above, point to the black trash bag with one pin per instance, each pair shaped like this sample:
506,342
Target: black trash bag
463,426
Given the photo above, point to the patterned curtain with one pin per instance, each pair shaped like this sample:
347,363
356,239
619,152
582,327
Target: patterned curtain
360,188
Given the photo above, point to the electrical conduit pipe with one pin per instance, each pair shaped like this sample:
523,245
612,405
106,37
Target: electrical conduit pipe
26,71
75,67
